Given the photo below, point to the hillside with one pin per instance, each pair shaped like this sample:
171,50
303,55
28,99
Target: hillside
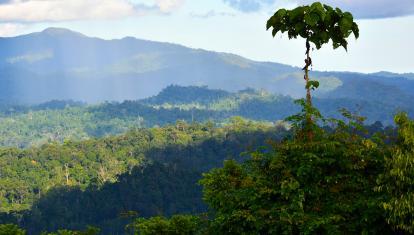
57,121
59,64
146,171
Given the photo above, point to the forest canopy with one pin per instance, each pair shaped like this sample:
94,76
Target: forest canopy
215,162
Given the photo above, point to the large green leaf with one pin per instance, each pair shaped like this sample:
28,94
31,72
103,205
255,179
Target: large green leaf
296,15
311,19
345,23
318,8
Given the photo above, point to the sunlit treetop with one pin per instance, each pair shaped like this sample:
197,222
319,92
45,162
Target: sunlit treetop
317,23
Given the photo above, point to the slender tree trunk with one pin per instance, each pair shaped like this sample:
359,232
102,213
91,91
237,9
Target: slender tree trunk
308,62
309,121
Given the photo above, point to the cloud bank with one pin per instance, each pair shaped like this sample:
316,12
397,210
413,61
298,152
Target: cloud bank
61,10
363,9
9,29
67,10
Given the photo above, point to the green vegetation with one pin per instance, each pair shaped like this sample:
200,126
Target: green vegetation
105,181
11,229
346,180
314,175
301,187
339,183
318,24
397,181
57,121
88,231
176,225
332,180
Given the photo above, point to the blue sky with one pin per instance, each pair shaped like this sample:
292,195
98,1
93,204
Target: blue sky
236,26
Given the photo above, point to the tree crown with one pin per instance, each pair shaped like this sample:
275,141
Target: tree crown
317,23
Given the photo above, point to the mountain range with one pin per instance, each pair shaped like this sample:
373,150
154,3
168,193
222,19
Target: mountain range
60,64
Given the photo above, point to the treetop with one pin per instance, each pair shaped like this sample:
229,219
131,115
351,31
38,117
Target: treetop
317,23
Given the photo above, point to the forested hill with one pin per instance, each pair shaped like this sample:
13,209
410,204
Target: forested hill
178,95
109,182
59,64
24,126
104,182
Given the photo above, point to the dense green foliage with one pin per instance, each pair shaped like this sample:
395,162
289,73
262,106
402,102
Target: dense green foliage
94,182
29,126
176,225
313,175
346,179
397,181
324,186
104,182
317,23
11,229
319,187
22,126
341,182
188,95
88,231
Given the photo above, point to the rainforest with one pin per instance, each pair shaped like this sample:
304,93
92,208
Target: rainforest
104,133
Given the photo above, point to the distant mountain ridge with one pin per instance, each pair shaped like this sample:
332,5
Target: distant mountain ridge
59,64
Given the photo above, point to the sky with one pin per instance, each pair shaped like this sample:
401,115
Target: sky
386,40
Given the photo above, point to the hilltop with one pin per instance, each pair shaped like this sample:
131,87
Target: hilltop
60,64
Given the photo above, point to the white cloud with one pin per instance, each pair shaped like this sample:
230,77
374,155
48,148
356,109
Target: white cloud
62,10
9,29
67,10
167,6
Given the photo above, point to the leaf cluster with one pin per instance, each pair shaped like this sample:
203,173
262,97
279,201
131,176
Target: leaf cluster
176,225
11,229
318,23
